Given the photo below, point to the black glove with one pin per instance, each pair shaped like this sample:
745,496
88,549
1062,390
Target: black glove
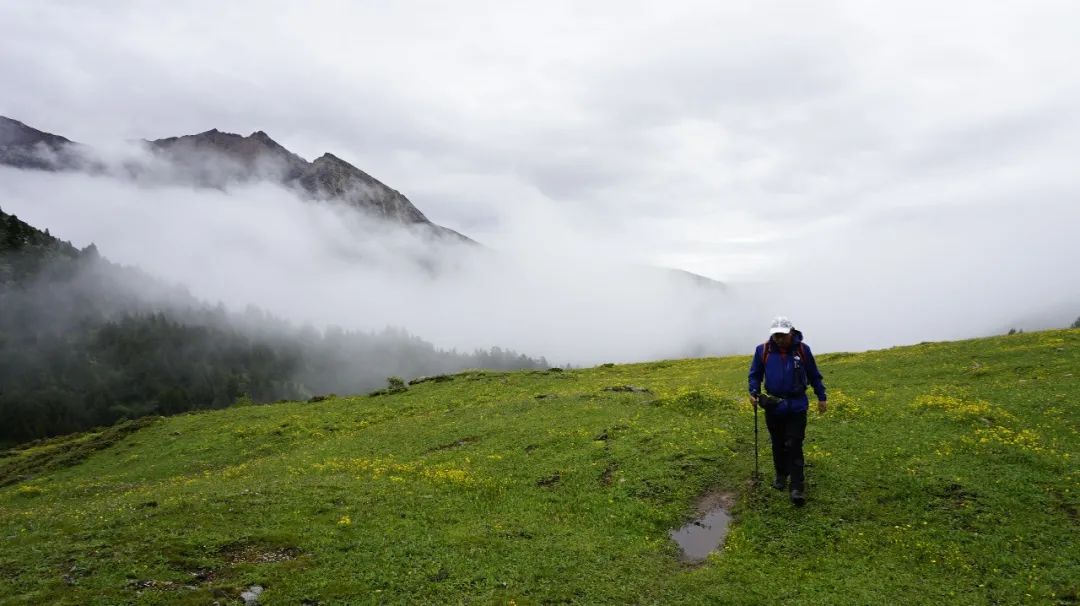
769,403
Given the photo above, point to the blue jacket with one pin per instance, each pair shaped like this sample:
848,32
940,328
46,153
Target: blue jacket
782,375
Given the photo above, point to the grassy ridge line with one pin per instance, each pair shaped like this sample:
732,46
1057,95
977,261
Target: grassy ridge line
944,473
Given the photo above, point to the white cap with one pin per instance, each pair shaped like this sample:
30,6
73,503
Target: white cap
780,324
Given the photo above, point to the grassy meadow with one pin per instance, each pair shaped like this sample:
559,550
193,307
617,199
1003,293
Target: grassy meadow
943,473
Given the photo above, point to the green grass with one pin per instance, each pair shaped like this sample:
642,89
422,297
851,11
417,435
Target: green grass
943,473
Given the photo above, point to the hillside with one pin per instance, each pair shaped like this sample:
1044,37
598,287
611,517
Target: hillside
86,342
943,473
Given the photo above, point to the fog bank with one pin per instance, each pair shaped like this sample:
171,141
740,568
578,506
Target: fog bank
325,264
875,278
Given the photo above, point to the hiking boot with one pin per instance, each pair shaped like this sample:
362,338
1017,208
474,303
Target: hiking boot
780,482
798,497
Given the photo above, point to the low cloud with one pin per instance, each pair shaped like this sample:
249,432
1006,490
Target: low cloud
882,174
327,264
912,272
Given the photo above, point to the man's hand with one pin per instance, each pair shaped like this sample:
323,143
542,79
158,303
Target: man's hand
821,406
753,400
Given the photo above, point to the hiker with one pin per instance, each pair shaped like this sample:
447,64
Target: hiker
788,368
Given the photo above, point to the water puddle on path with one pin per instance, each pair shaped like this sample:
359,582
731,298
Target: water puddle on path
706,534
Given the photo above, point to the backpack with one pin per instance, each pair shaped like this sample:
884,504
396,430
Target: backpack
800,367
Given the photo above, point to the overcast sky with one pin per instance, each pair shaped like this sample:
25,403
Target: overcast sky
905,164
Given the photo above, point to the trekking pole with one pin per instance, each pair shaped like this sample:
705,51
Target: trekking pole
757,475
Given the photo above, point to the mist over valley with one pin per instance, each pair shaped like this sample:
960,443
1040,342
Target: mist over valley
243,221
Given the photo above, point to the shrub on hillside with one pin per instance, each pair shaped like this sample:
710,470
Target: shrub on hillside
395,384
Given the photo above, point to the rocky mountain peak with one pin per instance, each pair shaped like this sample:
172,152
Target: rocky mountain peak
248,147
330,177
13,132
22,146
329,158
215,158
334,167
218,157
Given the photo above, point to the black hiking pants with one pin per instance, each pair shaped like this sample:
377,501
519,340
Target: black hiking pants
787,430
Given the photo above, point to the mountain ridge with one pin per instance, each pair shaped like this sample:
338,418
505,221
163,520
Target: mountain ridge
215,158
23,146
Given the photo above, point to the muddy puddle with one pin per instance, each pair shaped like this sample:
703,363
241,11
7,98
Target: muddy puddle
705,534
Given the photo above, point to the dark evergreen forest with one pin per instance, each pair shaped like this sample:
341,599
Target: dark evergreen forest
86,342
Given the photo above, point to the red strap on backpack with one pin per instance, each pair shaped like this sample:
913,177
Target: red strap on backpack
766,349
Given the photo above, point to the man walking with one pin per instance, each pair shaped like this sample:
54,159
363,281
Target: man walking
787,367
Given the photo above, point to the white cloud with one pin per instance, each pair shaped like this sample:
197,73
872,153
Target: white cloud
736,140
